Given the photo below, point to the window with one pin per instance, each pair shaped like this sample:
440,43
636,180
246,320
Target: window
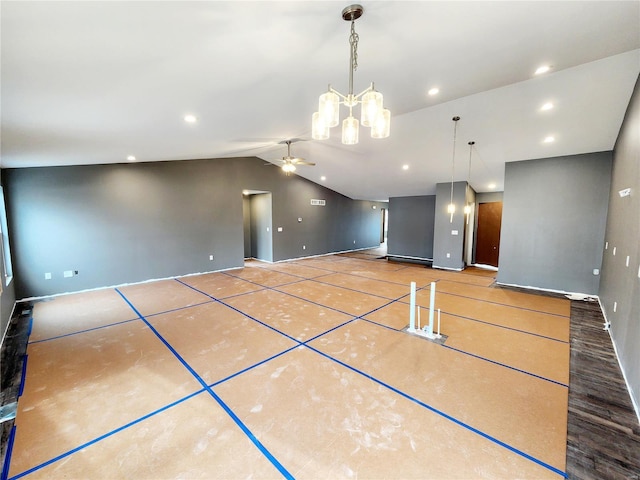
4,244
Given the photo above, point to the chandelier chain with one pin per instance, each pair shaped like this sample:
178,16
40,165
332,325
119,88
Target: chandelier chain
353,41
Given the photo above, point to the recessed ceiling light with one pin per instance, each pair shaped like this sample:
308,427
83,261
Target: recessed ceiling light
323,178
434,91
405,167
549,139
492,186
547,106
542,69
190,119
131,158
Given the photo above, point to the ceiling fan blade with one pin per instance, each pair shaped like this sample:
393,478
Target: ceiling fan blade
308,164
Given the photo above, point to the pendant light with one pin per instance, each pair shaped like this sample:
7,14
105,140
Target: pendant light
451,208
467,206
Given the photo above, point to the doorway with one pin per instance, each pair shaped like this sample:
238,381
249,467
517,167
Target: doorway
488,233
384,224
258,240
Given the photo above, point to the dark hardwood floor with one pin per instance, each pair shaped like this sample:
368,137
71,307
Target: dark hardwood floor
12,354
603,438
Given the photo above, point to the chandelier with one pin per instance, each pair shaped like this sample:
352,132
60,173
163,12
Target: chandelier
373,114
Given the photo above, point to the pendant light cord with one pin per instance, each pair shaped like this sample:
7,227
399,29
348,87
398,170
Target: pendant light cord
453,160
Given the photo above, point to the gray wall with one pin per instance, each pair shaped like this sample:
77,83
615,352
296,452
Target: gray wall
411,223
553,222
444,242
488,197
124,223
620,283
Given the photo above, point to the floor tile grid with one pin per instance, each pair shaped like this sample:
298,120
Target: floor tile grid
507,366
210,391
81,331
202,303
443,414
399,299
395,390
479,356
505,304
112,324
97,439
300,277
494,324
206,388
231,413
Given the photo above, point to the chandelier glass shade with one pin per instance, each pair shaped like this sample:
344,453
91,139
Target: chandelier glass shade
372,111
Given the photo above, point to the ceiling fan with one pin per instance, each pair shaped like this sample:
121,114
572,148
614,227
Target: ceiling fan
289,163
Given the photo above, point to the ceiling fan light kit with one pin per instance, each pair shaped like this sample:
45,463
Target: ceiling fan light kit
289,163
372,111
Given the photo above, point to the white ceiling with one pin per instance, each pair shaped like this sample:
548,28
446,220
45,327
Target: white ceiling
94,82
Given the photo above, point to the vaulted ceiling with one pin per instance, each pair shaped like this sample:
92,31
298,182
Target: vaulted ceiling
96,82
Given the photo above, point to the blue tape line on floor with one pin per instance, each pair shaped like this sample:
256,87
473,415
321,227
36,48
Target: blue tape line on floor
7,458
83,331
444,415
30,327
23,378
495,440
224,406
238,311
106,435
504,304
507,366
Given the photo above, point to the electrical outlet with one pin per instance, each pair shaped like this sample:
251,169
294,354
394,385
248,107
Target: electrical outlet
304,247
614,251
627,260
47,276
67,273
596,271
615,307
279,229
354,242
210,257
448,255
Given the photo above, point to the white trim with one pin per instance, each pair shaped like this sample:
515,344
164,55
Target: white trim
529,287
320,255
634,402
448,268
483,266
410,257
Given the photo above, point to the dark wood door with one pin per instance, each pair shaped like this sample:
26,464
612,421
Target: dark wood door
488,239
